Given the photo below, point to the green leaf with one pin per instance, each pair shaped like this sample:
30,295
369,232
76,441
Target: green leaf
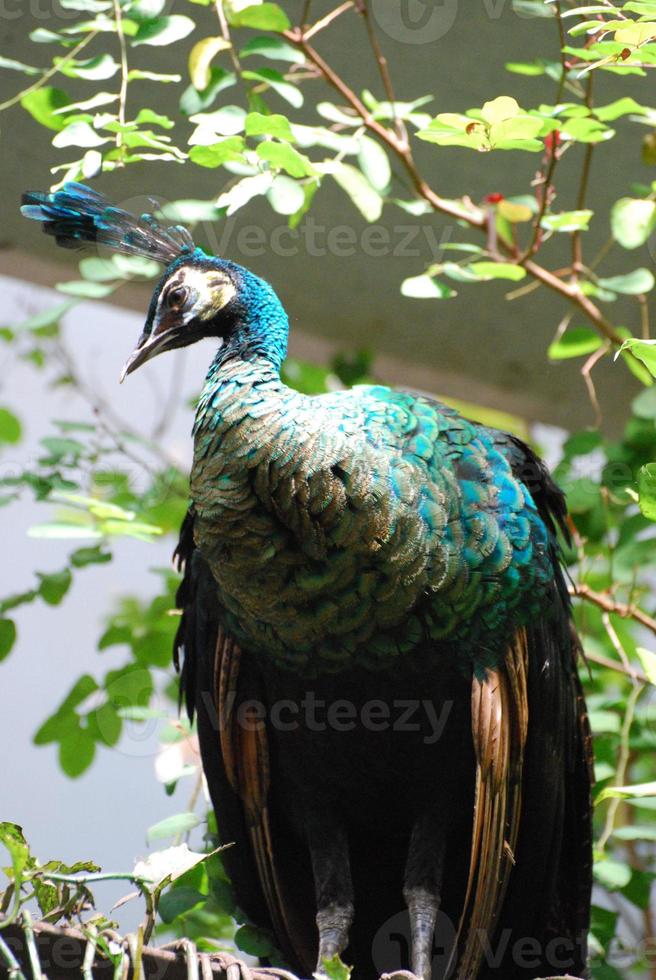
500,124
105,724
155,118
637,792
575,342
365,197
10,427
620,107
60,530
254,941
90,556
647,490
128,686
201,57
53,587
193,101
169,864
242,192
179,823
274,48
644,350
83,289
567,221
273,125
76,753
285,195
290,93
283,156
19,66
95,69
43,104
11,835
334,969
226,150
632,221
612,874
498,270
644,404
585,129
631,283
229,120
7,637
98,270
374,163
425,287
78,134
648,657
262,17
177,901
47,318
160,31
152,76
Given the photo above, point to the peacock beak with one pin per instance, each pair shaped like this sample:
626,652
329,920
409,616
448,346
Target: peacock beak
148,346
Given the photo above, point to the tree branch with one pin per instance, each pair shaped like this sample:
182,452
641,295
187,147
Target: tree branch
470,215
608,604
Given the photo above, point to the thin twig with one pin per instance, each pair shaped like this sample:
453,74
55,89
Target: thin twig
611,632
123,91
225,33
622,765
322,24
468,213
32,951
577,247
14,971
305,16
546,183
47,75
608,604
644,316
586,373
609,664
383,68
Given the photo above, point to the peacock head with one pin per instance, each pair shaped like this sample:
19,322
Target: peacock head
201,296
198,295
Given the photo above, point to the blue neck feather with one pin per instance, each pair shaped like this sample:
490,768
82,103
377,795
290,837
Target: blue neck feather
261,326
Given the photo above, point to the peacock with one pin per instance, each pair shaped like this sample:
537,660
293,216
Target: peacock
376,641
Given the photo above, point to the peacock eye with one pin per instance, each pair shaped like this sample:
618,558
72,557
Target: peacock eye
176,297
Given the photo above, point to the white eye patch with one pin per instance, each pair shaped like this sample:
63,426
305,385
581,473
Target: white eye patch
210,292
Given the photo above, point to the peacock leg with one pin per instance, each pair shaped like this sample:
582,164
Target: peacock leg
328,846
423,884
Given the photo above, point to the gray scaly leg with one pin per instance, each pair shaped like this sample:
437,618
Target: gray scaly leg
332,882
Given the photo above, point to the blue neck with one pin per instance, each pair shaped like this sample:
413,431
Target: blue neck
261,324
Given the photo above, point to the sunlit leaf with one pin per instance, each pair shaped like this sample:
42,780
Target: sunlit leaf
365,197
631,283
201,57
262,17
647,490
632,221
426,287
162,31
575,342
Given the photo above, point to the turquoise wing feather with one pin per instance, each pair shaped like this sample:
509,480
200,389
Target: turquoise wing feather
374,522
